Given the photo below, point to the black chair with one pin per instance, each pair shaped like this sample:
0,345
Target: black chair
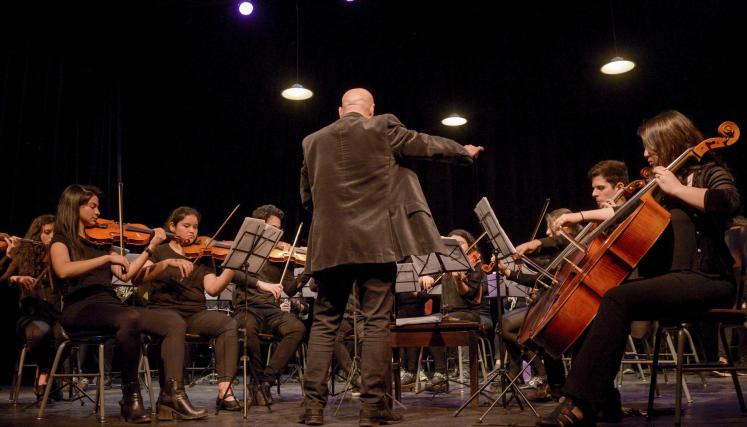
726,319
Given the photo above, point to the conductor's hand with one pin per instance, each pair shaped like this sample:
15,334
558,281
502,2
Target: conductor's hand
474,151
276,289
426,282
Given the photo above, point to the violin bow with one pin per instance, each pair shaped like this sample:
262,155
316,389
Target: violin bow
292,251
212,238
539,219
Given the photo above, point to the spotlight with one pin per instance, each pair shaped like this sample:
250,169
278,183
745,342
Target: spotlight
617,65
246,8
454,120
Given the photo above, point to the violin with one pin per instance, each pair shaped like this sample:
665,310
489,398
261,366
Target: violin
203,246
282,253
4,244
107,231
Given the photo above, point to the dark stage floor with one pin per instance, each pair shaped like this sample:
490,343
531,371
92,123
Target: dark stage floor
714,405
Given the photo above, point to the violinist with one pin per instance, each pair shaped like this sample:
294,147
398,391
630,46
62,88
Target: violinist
687,271
40,300
256,300
461,297
85,270
178,285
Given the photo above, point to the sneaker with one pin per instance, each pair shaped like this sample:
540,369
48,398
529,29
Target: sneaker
539,394
438,384
407,379
535,382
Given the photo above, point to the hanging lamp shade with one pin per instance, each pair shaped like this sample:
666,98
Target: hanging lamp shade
297,93
617,65
454,120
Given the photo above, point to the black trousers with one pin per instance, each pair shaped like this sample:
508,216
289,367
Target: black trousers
374,282
127,323
439,353
223,328
591,379
279,323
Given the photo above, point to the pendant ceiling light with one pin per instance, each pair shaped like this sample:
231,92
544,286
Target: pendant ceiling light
618,64
454,120
297,92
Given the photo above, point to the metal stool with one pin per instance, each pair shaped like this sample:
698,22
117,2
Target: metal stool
18,375
80,338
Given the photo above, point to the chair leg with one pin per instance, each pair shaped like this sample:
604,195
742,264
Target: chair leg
654,368
678,369
735,379
418,371
100,405
677,359
695,356
18,377
50,380
148,379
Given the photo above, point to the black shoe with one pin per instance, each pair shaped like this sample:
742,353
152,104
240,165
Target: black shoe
370,417
563,416
173,403
312,417
227,405
132,408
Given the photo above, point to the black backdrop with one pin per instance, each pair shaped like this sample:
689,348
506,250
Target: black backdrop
191,92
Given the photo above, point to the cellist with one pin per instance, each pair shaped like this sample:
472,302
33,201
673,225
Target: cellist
688,270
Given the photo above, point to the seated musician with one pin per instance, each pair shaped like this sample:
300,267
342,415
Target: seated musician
461,296
687,271
40,300
414,304
552,370
607,178
178,284
256,300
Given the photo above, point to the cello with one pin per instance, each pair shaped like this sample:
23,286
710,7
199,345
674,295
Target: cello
603,258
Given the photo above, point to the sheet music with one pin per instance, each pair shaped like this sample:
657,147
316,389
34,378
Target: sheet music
252,245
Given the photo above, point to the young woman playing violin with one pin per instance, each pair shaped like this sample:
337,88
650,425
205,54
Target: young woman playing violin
460,299
39,299
687,271
179,286
91,303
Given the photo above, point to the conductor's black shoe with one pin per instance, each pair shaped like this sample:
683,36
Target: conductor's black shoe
312,417
370,417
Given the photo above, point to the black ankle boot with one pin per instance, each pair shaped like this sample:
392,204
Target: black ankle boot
173,403
133,410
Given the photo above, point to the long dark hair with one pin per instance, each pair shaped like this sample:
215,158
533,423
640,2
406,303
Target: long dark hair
667,135
68,215
28,259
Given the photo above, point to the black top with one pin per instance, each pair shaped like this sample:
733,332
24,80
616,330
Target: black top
185,296
451,299
95,284
246,284
694,240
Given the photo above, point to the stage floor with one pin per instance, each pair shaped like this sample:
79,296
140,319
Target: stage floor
715,405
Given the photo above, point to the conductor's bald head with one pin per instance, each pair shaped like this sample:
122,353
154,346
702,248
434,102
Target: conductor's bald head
357,100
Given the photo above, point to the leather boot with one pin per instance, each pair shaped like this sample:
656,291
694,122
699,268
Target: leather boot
132,408
173,403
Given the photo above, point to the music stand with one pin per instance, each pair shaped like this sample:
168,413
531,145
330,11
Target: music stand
248,253
502,249
453,260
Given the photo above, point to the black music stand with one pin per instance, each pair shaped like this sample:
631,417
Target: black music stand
502,249
248,254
